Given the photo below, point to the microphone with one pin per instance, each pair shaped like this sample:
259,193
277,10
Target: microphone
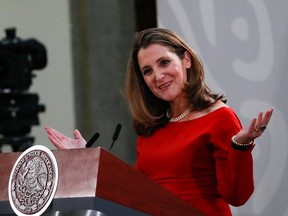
92,140
116,134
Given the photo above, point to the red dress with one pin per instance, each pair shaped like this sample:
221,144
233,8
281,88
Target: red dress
195,161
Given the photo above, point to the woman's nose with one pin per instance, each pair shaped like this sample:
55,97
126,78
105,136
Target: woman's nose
159,75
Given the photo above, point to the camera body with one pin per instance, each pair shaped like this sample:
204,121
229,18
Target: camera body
18,108
18,58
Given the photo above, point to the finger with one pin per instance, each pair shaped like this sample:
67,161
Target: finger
55,142
267,116
252,126
47,128
78,135
56,137
259,120
56,132
49,132
263,120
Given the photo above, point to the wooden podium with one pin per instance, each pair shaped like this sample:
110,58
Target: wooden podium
95,180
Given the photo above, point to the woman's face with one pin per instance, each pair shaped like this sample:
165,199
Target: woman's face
163,71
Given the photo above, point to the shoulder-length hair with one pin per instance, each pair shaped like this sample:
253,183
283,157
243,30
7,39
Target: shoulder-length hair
148,111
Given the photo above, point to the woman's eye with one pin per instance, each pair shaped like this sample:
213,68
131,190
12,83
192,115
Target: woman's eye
164,62
147,71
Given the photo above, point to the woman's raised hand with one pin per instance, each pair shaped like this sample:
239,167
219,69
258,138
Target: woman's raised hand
63,142
256,128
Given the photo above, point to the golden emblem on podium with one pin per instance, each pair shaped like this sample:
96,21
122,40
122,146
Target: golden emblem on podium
33,181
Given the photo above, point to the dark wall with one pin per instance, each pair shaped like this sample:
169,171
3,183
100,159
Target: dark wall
102,32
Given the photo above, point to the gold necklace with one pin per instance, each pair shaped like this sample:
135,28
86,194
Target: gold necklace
180,117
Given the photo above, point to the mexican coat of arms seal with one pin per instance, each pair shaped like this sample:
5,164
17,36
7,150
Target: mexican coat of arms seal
33,181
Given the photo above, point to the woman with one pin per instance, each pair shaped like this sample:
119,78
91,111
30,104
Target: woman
189,140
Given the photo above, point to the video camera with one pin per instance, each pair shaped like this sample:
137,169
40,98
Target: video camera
18,108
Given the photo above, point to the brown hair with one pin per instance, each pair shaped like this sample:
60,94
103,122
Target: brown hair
148,111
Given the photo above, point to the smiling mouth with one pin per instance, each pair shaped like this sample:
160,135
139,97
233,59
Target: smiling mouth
165,85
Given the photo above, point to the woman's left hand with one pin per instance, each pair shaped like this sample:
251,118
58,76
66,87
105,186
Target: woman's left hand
256,128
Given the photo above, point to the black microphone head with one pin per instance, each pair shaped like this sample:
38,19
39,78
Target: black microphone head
92,140
116,134
117,131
